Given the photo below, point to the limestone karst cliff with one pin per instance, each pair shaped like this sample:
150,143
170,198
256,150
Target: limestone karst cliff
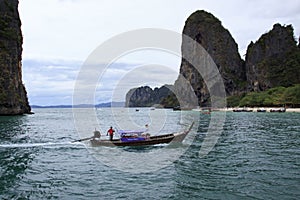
146,96
272,61
209,32
13,96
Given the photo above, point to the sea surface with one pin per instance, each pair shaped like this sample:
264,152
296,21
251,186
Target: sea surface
256,156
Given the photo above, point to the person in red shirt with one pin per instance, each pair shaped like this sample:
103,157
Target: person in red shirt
111,133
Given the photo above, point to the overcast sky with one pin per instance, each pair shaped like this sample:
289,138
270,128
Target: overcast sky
59,35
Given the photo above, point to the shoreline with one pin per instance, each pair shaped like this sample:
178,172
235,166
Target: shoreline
254,109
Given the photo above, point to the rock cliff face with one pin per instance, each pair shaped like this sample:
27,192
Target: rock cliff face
13,96
274,60
146,96
208,31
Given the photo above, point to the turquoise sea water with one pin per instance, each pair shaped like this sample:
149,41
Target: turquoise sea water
256,157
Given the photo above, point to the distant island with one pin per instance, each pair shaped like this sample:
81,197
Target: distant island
269,75
101,105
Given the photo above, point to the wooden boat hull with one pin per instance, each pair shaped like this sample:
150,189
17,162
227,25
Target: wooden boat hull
132,143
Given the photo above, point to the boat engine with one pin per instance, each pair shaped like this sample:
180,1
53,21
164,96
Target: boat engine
97,134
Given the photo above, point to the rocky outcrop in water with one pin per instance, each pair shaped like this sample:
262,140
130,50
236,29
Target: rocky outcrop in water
273,60
146,96
13,96
209,32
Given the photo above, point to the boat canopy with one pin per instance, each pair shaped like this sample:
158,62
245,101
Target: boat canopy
124,133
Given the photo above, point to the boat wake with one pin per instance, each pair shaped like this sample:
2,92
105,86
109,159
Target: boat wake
47,144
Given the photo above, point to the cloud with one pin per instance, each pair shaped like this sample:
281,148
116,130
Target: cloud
248,20
48,82
53,82
140,75
74,28
59,35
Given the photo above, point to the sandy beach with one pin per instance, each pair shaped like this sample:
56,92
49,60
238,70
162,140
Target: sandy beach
267,109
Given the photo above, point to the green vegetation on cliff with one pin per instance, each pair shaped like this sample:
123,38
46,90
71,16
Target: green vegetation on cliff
273,60
277,96
288,75
170,101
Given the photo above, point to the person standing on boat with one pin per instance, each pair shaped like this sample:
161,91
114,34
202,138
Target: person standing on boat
111,133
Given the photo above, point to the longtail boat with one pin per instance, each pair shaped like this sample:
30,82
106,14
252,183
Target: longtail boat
139,138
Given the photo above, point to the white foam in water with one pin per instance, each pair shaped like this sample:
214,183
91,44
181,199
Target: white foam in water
25,145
